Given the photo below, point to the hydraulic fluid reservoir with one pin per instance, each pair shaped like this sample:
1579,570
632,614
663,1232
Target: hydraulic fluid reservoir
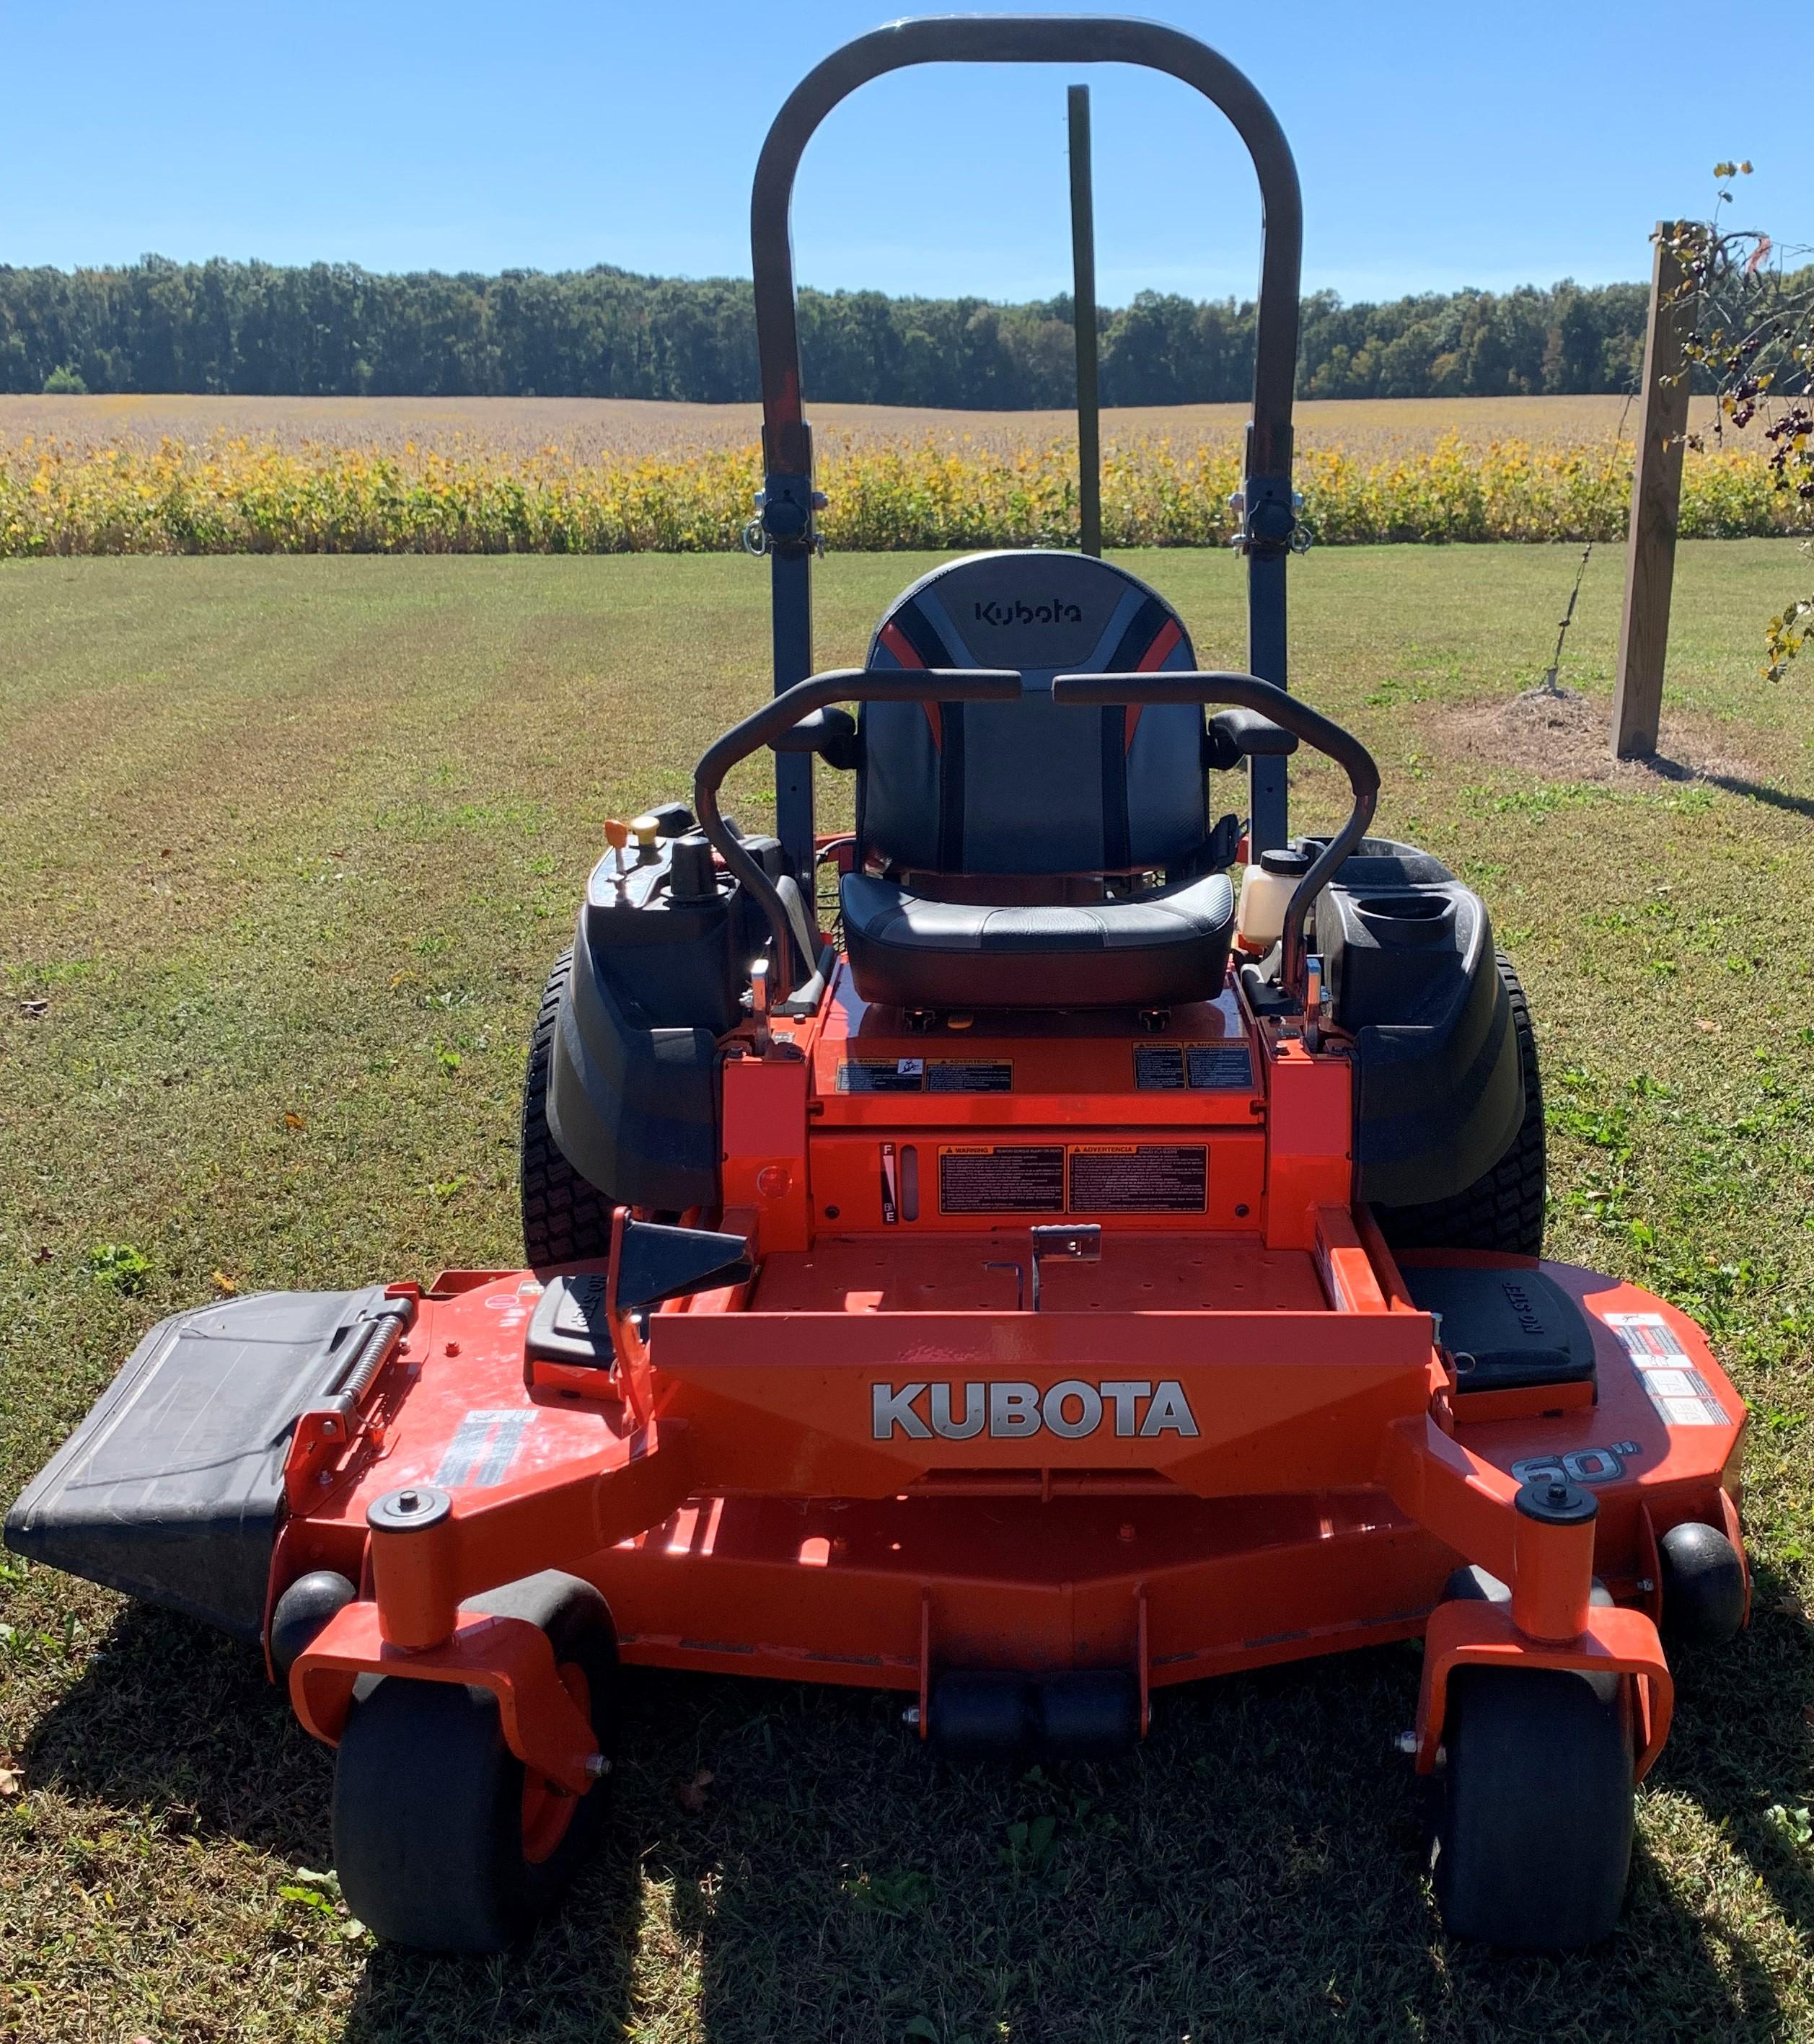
1267,886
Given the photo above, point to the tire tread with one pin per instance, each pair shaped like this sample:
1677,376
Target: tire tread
566,1218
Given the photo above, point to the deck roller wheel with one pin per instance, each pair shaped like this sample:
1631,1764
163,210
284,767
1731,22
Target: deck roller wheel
1703,1586
1533,1844
981,1714
443,1839
302,1611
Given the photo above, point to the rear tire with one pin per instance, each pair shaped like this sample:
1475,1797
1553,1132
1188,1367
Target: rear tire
443,1840
1533,1846
566,1218
1503,1209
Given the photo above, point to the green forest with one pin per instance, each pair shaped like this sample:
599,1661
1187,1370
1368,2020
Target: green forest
333,329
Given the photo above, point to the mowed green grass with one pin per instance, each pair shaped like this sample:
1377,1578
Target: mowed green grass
285,849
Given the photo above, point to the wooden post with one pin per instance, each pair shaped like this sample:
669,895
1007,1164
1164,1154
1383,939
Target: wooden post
1083,315
1656,503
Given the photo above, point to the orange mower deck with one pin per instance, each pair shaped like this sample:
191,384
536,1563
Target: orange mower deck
1231,1441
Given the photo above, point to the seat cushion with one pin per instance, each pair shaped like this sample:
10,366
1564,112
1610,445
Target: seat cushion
1148,951
1032,786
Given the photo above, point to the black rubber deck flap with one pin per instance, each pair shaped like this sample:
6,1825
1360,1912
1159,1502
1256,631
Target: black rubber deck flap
170,1490
657,1262
1508,1329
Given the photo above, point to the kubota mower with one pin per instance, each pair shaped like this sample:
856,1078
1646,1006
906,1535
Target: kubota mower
1050,1282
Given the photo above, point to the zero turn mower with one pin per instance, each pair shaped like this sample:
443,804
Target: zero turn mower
1066,1281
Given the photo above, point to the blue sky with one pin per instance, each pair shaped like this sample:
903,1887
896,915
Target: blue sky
1438,145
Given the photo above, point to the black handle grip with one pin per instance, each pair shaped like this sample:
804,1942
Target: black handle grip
780,715
1249,691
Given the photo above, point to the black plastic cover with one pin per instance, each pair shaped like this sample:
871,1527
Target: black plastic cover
172,1489
632,1102
1408,959
1509,1329
673,961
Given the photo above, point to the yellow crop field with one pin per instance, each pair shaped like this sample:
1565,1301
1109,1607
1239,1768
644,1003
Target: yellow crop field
117,476
591,429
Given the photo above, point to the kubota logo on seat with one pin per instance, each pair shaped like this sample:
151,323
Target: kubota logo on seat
1019,613
1130,1408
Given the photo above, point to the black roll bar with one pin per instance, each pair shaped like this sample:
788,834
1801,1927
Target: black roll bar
788,503
763,726
1248,691
1023,38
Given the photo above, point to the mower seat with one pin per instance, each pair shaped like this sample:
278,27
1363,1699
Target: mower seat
985,830
1142,951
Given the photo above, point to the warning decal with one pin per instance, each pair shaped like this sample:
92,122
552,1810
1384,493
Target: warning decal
1158,1066
883,1075
1682,1395
970,1075
1140,1177
1224,1066
992,1178
1170,1067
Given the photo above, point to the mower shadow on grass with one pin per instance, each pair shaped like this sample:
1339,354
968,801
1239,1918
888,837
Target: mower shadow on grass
170,1714
1739,1744
572,1983
1253,1872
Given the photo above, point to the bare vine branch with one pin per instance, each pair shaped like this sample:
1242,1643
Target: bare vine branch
1753,339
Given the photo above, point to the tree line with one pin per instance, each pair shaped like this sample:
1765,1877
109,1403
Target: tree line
334,329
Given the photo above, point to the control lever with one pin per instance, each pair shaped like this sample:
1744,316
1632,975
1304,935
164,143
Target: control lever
617,836
760,993
1078,1241
646,829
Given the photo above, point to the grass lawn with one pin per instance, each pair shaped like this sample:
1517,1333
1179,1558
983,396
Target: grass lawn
285,849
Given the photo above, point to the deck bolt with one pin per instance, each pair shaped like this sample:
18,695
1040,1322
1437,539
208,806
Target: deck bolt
452,1348
1646,1584
1128,1532
1406,1742
598,1767
911,1714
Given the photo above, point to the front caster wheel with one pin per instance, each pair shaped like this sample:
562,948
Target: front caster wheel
1533,1845
443,1839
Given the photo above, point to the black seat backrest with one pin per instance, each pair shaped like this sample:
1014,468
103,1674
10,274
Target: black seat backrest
1031,786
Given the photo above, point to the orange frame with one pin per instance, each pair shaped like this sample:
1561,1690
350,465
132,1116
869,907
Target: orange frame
1232,1441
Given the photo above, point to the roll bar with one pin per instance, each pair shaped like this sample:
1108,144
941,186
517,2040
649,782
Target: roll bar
788,503
1022,38
764,725
1248,691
